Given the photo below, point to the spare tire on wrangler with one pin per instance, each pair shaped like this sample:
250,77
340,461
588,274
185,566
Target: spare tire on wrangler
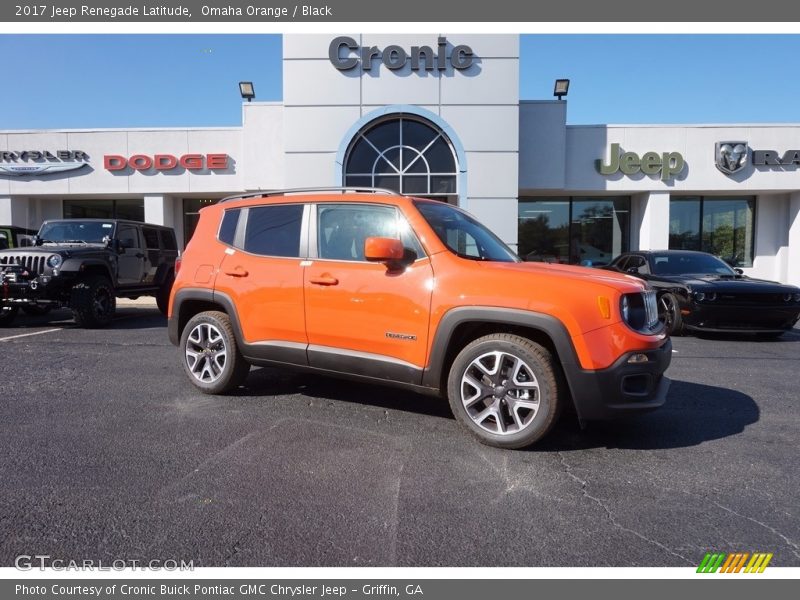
93,302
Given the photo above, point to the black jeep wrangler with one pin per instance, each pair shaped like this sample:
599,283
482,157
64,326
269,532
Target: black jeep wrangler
85,264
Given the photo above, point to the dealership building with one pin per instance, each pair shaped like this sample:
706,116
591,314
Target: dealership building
437,116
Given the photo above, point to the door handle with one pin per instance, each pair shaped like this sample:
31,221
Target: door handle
323,279
139,255
237,272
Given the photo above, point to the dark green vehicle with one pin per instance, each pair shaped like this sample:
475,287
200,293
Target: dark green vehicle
15,237
85,265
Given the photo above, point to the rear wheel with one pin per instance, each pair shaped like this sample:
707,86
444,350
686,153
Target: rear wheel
93,302
7,315
669,313
210,355
162,296
506,390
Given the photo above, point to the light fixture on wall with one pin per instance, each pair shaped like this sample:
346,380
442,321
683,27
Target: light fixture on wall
561,88
247,90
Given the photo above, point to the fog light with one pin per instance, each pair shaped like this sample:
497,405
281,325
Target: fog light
638,358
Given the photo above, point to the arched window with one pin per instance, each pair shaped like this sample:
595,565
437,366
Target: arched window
403,153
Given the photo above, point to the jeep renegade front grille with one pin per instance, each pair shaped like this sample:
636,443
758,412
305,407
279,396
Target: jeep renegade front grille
33,262
651,309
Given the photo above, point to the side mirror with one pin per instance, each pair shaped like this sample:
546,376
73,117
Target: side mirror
385,250
36,241
632,270
739,271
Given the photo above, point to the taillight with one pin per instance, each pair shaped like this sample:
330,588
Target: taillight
177,265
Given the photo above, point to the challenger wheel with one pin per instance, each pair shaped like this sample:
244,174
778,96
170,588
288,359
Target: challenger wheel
93,302
669,313
505,389
210,355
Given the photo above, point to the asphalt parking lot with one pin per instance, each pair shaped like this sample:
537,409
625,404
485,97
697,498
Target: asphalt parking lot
107,452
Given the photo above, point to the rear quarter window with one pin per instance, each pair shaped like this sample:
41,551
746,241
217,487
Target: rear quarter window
167,239
150,237
227,229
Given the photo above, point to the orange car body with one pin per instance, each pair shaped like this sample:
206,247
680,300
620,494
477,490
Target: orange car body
361,319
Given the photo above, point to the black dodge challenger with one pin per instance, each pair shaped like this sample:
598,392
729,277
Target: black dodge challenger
698,291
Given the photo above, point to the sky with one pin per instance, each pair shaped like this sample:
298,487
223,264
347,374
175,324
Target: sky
86,81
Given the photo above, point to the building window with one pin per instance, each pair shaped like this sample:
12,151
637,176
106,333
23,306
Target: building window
130,209
405,154
721,226
579,230
191,215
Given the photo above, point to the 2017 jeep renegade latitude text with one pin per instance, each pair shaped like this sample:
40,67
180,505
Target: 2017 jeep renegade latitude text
415,293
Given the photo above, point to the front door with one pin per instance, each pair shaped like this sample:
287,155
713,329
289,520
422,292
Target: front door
361,316
131,257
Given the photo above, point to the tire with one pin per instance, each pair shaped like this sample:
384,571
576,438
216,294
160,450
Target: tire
669,313
493,410
34,310
204,339
7,315
93,302
162,296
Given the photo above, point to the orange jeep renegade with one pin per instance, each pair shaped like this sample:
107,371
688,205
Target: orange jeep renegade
370,285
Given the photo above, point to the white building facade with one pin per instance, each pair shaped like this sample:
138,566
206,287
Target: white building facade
437,116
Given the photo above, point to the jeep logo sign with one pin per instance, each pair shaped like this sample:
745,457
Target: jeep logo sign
345,54
667,164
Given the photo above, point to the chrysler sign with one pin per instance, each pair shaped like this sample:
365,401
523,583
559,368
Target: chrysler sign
40,162
345,54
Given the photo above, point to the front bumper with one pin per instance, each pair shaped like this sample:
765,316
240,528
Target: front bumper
731,319
623,388
20,292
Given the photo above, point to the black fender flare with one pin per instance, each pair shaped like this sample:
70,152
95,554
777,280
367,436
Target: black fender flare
203,295
546,324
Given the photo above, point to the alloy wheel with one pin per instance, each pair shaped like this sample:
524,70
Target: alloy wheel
206,353
500,393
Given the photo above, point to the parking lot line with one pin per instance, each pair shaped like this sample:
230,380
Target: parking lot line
21,335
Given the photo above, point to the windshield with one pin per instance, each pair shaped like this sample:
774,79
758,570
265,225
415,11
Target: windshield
75,231
690,264
463,235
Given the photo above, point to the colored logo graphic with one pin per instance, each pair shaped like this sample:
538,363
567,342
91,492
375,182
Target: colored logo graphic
734,562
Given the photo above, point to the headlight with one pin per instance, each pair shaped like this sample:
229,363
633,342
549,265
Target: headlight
54,261
625,309
797,297
699,296
640,311
787,297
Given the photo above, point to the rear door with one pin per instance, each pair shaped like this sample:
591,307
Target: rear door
151,254
360,316
262,273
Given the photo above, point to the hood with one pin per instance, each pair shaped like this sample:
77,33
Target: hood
618,281
65,250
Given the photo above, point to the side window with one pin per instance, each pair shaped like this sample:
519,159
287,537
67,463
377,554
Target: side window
227,229
342,229
622,263
128,236
638,263
274,230
167,238
150,238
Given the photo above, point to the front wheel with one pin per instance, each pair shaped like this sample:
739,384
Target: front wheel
669,313
7,315
210,355
506,390
93,302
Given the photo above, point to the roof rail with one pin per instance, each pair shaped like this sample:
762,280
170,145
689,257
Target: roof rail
342,190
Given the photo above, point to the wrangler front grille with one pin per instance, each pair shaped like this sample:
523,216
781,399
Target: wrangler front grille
32,262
